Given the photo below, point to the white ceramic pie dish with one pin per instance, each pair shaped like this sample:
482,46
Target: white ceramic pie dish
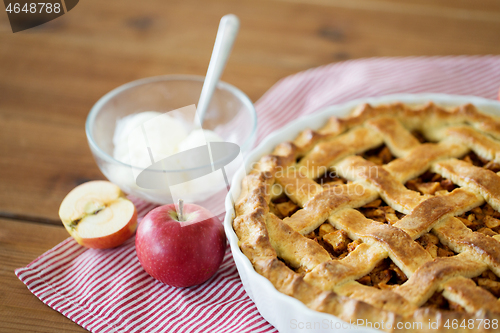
286,313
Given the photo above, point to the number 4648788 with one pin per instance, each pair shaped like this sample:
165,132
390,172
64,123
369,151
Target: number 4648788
34,7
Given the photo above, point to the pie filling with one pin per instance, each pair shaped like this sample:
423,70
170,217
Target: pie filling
384,276
380,155
482,219
489,281
330,178
431,183
433,245
481,162
282,206
334,241
438,301
379,211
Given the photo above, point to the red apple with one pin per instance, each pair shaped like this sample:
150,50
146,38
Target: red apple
180,252
98,215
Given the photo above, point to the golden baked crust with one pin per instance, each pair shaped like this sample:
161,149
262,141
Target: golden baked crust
302,268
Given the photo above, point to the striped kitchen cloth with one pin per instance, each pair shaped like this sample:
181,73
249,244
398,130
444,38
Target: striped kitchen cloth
108,291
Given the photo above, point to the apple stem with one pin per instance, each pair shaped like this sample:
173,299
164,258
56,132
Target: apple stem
181,210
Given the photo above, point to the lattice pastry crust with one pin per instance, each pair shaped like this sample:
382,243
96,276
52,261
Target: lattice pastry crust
300,267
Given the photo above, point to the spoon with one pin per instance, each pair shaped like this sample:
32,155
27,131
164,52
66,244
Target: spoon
226,34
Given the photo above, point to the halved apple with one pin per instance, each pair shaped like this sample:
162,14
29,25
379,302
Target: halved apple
98,215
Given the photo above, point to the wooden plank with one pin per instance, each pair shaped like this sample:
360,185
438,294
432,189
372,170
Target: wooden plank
51,75
20,311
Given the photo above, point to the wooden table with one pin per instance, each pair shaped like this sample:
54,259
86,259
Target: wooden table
50,77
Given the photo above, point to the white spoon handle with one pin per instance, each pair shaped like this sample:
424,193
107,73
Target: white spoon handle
228,29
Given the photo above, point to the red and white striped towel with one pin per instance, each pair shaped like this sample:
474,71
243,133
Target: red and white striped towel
108,291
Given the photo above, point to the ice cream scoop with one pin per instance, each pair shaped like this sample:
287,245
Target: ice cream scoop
166,135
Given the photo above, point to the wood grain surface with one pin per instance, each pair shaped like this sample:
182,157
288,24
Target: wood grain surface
51,75
20,311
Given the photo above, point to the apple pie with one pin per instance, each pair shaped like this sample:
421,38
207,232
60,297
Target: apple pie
391,215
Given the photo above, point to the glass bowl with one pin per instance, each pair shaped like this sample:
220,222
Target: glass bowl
231,114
